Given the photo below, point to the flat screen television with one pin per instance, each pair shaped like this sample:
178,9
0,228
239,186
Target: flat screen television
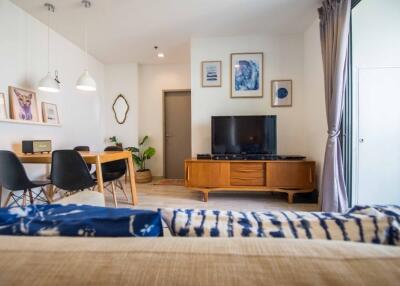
243,134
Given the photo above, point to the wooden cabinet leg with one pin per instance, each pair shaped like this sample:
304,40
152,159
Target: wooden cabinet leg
205,196
290,198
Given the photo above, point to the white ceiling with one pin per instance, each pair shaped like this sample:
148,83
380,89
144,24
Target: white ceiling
122,31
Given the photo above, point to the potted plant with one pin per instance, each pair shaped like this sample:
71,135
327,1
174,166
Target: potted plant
140,155
115,141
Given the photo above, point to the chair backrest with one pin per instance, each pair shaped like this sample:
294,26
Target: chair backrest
82,148
69,171
115,166
12,173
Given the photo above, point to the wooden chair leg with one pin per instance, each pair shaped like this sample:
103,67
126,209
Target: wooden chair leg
48,198
122,186
8,199
113,193
24,199
30,197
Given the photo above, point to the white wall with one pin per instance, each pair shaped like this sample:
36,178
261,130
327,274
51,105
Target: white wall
316,125
122,79
23,58
153,79
283,59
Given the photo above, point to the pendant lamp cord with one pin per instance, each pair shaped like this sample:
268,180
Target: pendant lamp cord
86,47
48,40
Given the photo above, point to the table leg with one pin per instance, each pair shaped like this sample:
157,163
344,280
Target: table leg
132,180
99,176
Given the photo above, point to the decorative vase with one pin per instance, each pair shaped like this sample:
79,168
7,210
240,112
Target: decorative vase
142,177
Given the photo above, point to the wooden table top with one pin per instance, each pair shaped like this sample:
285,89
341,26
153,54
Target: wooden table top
89,157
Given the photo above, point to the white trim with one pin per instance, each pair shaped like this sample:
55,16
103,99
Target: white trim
14,121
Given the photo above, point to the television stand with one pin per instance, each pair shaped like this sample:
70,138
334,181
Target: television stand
291,177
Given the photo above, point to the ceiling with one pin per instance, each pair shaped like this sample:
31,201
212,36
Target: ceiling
122,31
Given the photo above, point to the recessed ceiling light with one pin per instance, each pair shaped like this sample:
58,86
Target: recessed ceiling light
159,54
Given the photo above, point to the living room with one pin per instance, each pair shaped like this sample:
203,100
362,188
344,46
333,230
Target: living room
201,114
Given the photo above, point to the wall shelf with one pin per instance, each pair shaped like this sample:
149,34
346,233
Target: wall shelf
14,121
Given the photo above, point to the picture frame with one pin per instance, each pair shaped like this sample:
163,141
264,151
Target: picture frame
3,109
211,73
247,75
281,93
50,113
23,104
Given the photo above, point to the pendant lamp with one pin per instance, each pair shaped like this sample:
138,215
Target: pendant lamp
48,83
85,81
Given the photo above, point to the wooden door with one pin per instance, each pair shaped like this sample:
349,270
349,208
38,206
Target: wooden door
290,175
207,174
177,133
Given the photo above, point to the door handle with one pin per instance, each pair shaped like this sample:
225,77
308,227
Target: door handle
167,135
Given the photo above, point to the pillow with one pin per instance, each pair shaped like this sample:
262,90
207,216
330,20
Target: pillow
379,229
79,220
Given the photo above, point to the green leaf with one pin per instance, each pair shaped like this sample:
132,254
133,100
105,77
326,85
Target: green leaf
133,149
143,140
149,152
138,161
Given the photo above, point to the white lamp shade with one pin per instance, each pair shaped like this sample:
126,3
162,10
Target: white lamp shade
86,82
48,84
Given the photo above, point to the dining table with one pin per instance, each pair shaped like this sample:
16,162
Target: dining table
96,158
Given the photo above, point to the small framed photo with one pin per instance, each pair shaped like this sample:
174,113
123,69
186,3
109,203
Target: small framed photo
3,109
211,73
281,93
247,74
23,104
50,113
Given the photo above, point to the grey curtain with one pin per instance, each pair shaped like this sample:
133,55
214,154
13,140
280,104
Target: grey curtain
334,29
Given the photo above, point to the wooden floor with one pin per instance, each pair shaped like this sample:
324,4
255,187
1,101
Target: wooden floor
161,196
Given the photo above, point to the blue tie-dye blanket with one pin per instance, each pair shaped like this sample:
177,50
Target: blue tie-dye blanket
370,224
79,220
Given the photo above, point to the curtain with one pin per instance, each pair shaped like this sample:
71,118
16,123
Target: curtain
334,31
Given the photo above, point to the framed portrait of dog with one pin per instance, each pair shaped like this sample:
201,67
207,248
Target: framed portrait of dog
23,104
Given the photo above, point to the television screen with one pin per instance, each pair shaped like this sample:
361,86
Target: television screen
243,134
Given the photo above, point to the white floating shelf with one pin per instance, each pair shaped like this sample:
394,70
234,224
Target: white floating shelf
14,121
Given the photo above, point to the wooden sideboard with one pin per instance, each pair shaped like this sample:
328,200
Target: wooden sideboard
290,177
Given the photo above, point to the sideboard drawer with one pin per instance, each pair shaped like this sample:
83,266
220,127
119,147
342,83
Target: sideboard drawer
247,174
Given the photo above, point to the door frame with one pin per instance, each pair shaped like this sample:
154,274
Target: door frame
164,94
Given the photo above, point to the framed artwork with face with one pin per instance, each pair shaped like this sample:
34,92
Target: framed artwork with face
23,104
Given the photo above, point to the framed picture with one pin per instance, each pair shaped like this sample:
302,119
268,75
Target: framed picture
23,104
211,73
247,73
3,109
281,93
50,113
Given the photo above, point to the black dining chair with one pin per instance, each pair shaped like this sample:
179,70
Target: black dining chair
14,178
84,149
113,172
70,172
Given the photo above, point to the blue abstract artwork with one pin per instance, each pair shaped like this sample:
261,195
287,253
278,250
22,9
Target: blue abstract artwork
282,92
247,75
211,74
